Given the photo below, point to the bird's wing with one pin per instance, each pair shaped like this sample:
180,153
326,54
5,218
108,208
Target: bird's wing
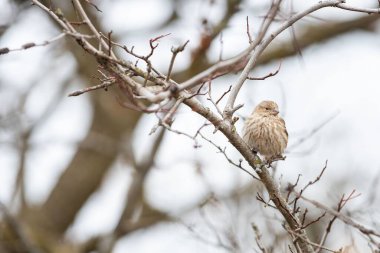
283,123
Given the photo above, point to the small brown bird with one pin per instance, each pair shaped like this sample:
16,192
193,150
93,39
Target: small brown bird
265,132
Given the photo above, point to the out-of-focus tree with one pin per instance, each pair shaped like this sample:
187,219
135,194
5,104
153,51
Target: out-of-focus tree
129,85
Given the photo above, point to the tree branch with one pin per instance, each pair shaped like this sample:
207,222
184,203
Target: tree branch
254,161
228,110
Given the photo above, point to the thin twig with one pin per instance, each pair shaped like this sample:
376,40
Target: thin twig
349,221
267,76
93,5
341,204
248,31
312,243
222,96
291,187
358,9
212,100
175,51
223,151
295,200
86,19
258,236
103,85
266,203
29,45
313,131
314,221
168,118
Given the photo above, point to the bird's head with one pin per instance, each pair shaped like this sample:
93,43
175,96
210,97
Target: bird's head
267,108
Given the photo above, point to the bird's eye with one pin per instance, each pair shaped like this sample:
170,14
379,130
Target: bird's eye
267,108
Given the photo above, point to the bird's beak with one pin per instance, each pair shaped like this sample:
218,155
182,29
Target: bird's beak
275,112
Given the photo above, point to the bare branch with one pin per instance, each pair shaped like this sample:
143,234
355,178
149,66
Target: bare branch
250,41
291,187
267,76
168,118
314,221
103,85
15,228
316,179
201,238
313,131
6,50
222,96
312,243
88,22
223,151
175,51
349,221
255,162
228,111
295,200
258,236
93,5
266,203
358,9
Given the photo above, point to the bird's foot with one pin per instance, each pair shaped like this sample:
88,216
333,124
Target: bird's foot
278,158
254,151
275,159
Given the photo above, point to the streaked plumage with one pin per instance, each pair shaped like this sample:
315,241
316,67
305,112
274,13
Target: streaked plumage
265,132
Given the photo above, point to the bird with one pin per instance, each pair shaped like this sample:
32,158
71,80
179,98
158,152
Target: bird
265,131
